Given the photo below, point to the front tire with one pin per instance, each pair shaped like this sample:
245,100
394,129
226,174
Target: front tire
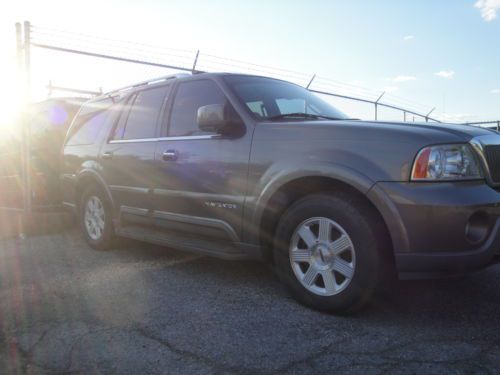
328,252
96,219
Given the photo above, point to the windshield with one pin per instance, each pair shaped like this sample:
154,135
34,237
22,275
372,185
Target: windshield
271,99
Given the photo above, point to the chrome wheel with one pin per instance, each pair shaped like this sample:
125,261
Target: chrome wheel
94,217
322,256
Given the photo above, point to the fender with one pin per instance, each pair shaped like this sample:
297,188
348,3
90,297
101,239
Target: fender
392,218
271,182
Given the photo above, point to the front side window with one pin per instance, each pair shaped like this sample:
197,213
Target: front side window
139,118
191,96
272,99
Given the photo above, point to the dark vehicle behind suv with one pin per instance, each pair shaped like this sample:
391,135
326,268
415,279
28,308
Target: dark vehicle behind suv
246,167
49,121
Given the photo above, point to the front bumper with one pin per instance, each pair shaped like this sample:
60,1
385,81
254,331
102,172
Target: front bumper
421,265
434,226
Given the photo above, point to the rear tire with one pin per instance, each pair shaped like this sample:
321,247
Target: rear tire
328,252
96,219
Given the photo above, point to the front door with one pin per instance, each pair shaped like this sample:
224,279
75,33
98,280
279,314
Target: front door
201,177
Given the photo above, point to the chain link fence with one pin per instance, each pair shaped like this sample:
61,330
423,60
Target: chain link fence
110,63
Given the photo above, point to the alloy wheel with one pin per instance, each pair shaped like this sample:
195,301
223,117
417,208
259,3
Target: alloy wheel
322,256
94,218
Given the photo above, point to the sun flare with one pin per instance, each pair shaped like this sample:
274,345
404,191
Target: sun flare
11,102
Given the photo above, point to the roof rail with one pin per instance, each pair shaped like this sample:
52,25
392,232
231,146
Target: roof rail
147,82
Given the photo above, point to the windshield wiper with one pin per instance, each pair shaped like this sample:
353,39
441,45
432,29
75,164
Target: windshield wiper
302,115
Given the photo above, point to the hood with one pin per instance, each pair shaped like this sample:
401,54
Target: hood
460,130
422,133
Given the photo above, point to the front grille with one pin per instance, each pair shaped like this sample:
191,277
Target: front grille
492,154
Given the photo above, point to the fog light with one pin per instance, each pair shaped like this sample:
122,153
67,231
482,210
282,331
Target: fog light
478,227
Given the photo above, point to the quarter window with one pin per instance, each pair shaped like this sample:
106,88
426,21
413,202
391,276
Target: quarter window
88,132
90,121
191,96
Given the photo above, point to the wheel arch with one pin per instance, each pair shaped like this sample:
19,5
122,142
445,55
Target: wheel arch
293,189
88,178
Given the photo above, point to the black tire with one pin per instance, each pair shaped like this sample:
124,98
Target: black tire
107,238
366,233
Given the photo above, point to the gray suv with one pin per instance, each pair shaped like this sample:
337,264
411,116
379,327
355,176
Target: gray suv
248,167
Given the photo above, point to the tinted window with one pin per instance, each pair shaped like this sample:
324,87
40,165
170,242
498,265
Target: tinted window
257,108
90,121
191,96
122,120
88,132
143,115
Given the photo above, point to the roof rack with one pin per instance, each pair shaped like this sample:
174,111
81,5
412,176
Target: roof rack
148,82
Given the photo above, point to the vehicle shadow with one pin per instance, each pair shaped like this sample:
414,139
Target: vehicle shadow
471,296
475,294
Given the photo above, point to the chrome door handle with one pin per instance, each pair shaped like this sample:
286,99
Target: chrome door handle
170,155
107,155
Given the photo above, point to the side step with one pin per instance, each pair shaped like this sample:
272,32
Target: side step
219,249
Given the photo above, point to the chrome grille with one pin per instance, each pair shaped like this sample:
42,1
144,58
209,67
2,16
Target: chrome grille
492,154
488,150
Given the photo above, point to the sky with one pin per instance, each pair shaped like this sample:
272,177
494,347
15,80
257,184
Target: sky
422,54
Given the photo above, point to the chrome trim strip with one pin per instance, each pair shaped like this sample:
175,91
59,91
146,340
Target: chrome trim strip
134,210
129,189
138,140
183,138
197,220
190,137
238,199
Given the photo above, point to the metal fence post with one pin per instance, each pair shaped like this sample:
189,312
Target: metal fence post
19,46
376,105
20,66
310,82
498,126
195,61
26,124
427,115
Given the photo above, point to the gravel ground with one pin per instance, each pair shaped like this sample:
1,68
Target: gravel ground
141,309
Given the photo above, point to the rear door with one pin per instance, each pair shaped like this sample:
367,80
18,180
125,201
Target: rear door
128,156
200,178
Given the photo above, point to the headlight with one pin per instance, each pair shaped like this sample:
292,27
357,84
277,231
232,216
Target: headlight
446,162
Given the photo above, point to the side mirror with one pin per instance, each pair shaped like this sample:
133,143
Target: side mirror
220,119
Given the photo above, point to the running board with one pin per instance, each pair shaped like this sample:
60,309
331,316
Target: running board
218,249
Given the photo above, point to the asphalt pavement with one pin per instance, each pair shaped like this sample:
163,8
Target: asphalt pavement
144,309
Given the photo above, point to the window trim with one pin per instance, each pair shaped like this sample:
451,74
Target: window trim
159,139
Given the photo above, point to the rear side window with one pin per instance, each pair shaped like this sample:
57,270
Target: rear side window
89,130
191,96
140,116
89,123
